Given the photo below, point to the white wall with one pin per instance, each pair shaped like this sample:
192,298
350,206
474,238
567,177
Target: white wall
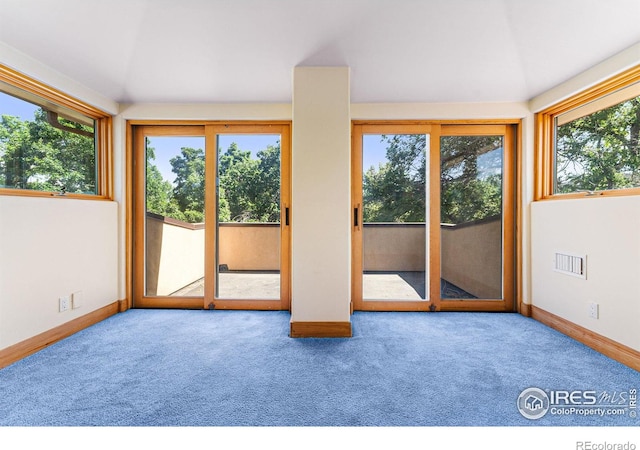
439,111
206,111
52,247
321,203
607,231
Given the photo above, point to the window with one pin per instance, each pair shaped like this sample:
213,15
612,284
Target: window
50,144
590,144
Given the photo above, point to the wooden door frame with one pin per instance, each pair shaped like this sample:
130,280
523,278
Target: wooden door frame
511,256
509,221
139,299
358,130
136,210
211,301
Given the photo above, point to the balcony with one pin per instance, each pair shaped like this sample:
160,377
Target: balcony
394,259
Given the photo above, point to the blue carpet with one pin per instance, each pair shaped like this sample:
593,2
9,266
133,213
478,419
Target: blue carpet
240,368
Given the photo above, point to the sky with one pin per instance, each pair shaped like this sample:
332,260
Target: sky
374,150
12,106
166,147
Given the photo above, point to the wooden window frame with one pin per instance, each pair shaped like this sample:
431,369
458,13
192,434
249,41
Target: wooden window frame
103,130
544,169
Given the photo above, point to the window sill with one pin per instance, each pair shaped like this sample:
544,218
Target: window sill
48,194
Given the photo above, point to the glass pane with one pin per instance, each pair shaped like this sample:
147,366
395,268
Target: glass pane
45,147
600,150
471,217
394,217
248,217
174,264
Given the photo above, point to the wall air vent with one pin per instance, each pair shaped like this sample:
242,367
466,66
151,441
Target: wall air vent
571,264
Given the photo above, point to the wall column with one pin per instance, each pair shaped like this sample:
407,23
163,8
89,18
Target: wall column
321,186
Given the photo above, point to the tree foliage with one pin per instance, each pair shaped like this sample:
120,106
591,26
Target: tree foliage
601,150
395,191
160,194
35,155
251,186
189,187
470,178
248,188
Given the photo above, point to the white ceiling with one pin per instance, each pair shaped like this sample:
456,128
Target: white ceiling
245,50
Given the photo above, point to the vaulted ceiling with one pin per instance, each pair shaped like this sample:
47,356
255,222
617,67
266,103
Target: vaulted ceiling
245,50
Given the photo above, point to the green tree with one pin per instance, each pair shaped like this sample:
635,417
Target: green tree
15,147
189,183
224,212
469,192
395,191
238,173
35,155
267,202
250,188
160,196
601,150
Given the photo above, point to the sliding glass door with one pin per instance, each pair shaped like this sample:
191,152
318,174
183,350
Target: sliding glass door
211,219
249,212
392,207
476,217
433,217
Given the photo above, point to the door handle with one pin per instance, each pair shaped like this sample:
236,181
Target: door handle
286,216
356,216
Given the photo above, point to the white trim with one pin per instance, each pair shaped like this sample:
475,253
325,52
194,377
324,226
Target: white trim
618,63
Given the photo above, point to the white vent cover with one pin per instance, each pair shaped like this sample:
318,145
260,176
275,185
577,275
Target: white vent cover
571,264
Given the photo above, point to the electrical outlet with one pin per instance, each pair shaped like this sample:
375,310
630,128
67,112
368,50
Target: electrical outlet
64,303
594,310
76,300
